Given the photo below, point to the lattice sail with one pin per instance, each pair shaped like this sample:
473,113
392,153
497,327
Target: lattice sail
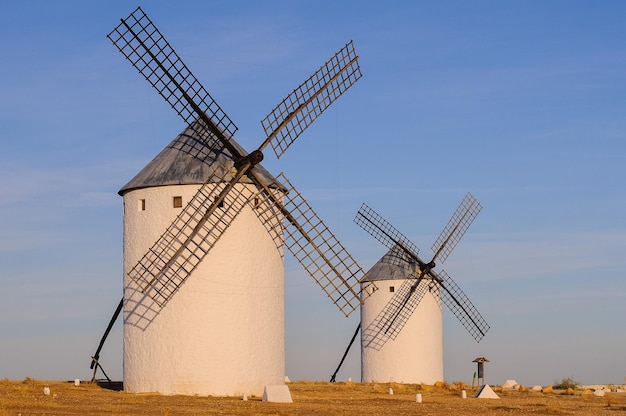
313,244
201,223
150,53
460,305
392,318
462,218
383,231
272,218
300,108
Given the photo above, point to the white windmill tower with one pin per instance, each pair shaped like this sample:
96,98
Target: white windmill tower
235,292
204,230
405,304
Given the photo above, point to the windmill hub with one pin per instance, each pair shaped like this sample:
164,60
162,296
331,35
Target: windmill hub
253,158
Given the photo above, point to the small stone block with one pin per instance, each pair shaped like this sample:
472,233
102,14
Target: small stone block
277,394
509,384
486,392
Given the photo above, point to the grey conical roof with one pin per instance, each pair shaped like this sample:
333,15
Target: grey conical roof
187,160
394,265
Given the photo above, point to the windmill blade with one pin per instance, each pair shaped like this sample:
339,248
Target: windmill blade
300,108
269,214
138,39
461,306
462,218
317,249
198,227
392,318
383,231
168,263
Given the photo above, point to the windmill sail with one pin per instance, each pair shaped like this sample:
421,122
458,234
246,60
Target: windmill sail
462,307
462,218
200,225
313,244
196,229
139,40
300,108
379,228
390,321
316,248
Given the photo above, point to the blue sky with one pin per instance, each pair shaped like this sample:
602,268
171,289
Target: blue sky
521,103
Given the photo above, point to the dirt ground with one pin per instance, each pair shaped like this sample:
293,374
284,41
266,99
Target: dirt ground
309,398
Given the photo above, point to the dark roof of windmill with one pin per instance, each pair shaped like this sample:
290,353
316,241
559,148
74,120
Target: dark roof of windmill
392,266
190,160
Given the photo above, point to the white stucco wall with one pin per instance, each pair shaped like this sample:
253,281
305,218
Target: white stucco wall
416,355
222,333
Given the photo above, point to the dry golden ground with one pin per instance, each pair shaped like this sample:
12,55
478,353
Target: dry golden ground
310,398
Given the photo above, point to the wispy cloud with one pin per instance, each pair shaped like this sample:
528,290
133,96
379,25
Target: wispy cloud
95,184
540,254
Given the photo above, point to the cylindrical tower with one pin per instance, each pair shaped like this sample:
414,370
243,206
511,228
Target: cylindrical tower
416,355
222,331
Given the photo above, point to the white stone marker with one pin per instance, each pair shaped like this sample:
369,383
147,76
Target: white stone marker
418,398
277,393
486,392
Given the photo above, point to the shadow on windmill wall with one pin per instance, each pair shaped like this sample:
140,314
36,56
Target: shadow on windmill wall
140,309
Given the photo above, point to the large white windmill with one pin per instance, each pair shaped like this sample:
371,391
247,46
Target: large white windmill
405,305
204,231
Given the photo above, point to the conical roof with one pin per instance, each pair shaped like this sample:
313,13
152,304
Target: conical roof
394,265
188,160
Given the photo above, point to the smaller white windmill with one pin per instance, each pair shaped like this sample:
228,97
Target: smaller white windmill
405,305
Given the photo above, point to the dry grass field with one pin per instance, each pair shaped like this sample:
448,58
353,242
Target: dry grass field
26,398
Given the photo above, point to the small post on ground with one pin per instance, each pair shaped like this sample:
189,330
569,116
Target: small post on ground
481,370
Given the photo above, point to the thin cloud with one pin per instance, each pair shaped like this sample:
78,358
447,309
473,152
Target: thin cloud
540,254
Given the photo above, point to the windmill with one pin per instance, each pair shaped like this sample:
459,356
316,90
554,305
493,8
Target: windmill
204,231
408,284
